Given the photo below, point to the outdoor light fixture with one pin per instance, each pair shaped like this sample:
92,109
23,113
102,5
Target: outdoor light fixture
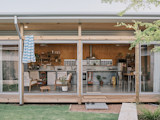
25,26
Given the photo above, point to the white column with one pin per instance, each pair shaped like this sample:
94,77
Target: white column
1,74
20,73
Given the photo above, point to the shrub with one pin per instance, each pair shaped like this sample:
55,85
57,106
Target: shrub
146,114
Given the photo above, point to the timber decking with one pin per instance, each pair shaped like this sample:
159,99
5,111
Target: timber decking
75,98
9,98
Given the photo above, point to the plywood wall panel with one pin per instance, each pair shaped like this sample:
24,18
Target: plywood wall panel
68,51
107,51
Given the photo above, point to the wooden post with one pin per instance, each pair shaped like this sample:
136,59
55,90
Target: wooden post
137,72
79,63
22,33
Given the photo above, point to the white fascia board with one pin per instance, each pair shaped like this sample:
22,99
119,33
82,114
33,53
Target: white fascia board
6,18
75,13
41,18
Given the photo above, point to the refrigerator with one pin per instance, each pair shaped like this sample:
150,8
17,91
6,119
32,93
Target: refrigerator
51,76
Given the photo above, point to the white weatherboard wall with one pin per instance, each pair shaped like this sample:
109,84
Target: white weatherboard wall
66,6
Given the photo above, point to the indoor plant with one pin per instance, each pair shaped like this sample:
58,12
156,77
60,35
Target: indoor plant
48,54
64,83
99,79
59,60
45,80
56,59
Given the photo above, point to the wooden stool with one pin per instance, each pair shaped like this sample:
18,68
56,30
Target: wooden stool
44,87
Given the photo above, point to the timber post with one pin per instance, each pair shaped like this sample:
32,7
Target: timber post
22,69
79,62
137,72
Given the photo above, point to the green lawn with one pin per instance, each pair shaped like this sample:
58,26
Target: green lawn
48,112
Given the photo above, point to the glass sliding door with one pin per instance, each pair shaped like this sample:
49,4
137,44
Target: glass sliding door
108,68
55,69
9,59
150,65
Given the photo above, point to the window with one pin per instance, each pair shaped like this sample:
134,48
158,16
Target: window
150,65
9,59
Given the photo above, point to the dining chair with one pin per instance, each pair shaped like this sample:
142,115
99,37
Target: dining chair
29,81
58,83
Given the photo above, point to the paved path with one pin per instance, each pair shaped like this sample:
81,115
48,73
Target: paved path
128,112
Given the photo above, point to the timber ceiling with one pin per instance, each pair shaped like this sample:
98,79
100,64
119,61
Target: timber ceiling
66,26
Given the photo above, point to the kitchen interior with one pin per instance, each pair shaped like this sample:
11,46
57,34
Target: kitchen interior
53,61
108,68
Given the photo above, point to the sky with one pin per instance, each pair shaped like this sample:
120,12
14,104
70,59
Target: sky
66,6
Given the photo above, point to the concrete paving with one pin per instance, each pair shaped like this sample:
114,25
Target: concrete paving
128,112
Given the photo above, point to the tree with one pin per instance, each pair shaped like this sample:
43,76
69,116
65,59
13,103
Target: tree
152,30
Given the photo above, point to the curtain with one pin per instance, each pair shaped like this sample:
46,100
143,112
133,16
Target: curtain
28,51
156,76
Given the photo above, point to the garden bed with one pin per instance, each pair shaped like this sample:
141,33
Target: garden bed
147,106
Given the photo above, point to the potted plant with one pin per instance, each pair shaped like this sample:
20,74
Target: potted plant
56,59
37,56
100,80
59,60
49,54
45,80
64,83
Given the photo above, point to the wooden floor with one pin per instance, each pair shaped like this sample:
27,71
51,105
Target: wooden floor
75,98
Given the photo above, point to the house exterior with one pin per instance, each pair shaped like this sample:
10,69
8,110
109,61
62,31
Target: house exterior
76,31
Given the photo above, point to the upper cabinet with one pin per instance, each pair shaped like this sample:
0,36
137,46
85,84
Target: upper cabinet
102,62
107,62
70,62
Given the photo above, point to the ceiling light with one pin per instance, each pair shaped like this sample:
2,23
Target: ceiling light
25,26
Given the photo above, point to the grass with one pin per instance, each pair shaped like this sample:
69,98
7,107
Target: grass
48,112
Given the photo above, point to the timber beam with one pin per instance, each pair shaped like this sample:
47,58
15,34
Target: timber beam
122,38
9,37
84,38
127,38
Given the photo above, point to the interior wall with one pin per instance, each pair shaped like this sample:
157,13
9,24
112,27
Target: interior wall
107,51
101,51
67,51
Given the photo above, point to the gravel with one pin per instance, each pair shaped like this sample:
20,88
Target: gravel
113,108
